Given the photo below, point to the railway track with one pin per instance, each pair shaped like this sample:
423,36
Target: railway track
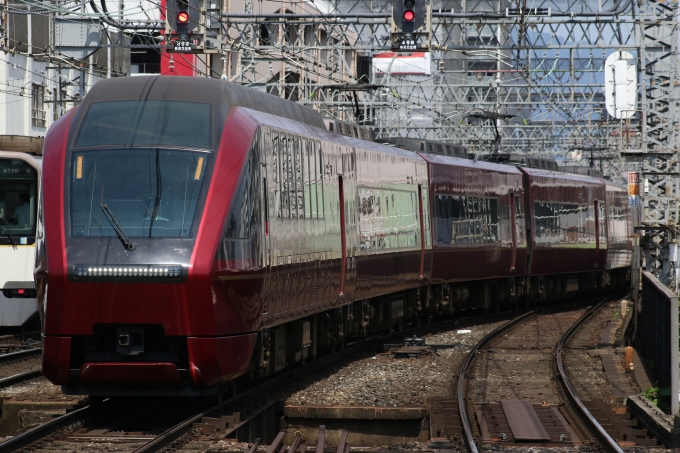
110,422
19,365
246,416
516,418
161,423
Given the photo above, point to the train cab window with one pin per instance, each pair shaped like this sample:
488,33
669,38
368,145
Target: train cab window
144,123
151,192
18,202
464,220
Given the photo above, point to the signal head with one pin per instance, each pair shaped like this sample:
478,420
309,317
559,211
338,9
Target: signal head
409,15
183,17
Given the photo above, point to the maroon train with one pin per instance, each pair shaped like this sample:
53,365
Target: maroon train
196,231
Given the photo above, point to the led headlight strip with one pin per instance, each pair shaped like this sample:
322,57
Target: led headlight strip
144,271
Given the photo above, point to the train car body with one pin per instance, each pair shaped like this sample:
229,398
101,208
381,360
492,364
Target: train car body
478,219
620,226
19,191
568,227
197,231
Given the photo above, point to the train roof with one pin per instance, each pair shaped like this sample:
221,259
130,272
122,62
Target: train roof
33,161
221,93
615,185
535,172
324,134
477,164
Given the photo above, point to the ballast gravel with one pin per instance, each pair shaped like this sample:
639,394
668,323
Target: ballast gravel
38,389
369,379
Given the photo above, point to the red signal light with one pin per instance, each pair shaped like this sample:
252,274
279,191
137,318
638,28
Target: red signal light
409,15
183,17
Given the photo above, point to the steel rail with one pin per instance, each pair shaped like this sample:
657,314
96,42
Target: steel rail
171,435
603,437
19,354
469,439
44,430
13,379
176,432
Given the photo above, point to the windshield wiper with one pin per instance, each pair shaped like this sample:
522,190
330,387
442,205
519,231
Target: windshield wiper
9,233
117,228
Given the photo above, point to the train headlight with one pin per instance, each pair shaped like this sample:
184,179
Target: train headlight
149,272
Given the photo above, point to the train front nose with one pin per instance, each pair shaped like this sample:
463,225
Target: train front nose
122,312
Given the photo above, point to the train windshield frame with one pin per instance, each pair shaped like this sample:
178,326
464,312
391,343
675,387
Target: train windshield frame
18,202
151,192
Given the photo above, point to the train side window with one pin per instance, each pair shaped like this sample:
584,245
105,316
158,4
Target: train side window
557,223
243,227
306,178
286,176
389,224
544,218
299,201
276,171
462,220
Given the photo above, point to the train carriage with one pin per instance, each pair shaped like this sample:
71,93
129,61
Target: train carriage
568,227
196,231
620,224
478,223
19,191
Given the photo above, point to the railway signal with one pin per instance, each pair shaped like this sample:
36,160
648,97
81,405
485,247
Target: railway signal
411,25
194,26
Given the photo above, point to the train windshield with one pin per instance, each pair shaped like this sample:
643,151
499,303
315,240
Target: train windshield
146,123
149,192
18,202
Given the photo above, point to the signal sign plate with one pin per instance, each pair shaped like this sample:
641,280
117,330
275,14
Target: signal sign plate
183,46
404,43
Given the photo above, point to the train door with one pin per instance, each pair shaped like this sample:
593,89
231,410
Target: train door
265,147
422,230
343,236
348,221
597,233
513,222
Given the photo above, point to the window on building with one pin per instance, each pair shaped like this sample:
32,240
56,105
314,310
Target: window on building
38,111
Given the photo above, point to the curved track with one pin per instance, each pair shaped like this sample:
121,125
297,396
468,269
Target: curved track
605,439
569,393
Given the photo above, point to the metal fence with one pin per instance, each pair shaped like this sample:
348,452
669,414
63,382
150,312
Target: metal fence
658,330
